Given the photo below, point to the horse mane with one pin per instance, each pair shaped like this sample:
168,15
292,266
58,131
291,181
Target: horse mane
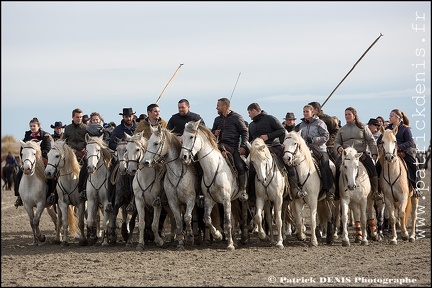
105,151
351,154
189,127
138,138
40,167
304,149
172,139
255,156
71,162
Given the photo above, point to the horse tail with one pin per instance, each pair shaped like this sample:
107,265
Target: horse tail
72,221
407,211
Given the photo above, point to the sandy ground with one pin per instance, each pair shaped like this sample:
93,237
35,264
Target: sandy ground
253,264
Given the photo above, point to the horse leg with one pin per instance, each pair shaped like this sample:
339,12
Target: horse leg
188,220
40,238
142,210
414,205
345,211
269,220
371,222
258,218
244,226
208,207
380,218
81,213
92,211
63,218
364,221
155,225
278,219
105,223
297,211
313,217
228,224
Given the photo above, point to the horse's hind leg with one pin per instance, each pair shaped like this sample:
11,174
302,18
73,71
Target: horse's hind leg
217,236
188,221
414,204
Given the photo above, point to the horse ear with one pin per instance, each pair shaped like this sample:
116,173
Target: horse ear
127,136
382,129
358,155
22,143
248,145
87,137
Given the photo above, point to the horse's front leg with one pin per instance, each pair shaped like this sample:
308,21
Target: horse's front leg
345,211
155,226
188,221
278,215
40,238
142,209
208,207
364,223
297,211
81,213
63,217
371,218
414,204
403,221
105,224
392,220
258,218
313,215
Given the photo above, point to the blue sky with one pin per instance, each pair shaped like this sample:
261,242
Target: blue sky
103,56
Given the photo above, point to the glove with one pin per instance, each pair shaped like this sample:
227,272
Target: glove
309,140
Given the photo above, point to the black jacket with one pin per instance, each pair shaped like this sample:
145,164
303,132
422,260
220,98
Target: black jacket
233,131
177,122
42,136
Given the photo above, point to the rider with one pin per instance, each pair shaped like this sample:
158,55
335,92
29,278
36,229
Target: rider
58,130
128,126
289,122
357,135
232,134
74,135
332,128
314,132
38,134
153,119
268,128
406,147
11,160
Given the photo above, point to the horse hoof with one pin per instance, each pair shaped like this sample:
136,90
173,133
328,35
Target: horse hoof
280,245
262,236
231,248
393,242
180,248
105,243
42,238
217,236
64,244
411,239
140,247
83,242
404,238
364,243
345,243
358,239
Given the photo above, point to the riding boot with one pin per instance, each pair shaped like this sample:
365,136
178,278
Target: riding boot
18,201
82,182
51,196
376,194
296,191
242,187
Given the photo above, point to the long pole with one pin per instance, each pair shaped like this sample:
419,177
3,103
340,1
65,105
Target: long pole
376,40
235,86
168,83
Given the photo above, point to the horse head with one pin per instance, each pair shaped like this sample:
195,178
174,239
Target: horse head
97,150
350,166
121,153
30,153
262,160
56,159
135,149
156,147
390,144
191,141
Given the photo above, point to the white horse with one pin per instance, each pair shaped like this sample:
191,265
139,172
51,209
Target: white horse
269,186
147,187
297,154
354,189
398,194
218,182
180,180
98,162
33,190
63,166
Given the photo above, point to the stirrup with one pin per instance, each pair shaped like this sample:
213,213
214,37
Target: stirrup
417,193
330,196
83,195
377,196
130,207
18,202
109,207
201,201
156,202
301,194
244,196
51,199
